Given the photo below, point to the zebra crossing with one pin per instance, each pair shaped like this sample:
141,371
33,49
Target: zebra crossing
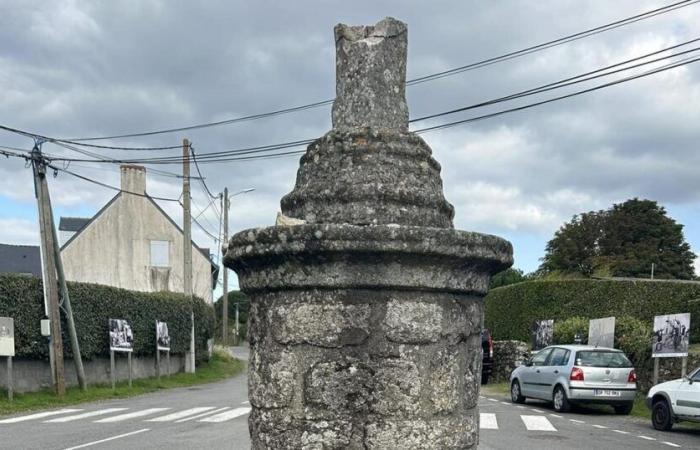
489,421
205,414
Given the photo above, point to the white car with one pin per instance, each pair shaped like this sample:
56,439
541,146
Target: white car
674,401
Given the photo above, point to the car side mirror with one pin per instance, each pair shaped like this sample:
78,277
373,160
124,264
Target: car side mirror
688,379
527,363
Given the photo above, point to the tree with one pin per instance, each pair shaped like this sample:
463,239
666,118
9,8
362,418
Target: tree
622,241
508,276
233,298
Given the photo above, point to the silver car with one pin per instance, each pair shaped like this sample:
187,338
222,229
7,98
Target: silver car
572,374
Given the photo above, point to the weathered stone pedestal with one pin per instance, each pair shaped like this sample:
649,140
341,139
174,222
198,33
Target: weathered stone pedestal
365,319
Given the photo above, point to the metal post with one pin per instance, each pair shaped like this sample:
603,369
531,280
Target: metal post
656,372
65,300
224,312
112,366
168,362
652,271
187,245
157,362
10,383
49,272
237,331
130,376
684,366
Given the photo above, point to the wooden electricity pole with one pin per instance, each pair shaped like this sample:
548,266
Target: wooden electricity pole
187,245
49,269
224,313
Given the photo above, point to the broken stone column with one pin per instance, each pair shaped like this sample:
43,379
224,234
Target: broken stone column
366,304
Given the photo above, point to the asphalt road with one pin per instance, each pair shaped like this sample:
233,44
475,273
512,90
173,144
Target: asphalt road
187,418
215,416
536,426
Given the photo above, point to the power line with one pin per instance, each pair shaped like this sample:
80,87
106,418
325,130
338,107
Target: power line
201,178
228,155
483,63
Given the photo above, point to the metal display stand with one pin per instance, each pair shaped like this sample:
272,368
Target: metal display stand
112,371
167,362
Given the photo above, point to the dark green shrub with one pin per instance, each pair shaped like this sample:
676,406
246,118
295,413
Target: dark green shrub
634,338
565,331
93,305
510,310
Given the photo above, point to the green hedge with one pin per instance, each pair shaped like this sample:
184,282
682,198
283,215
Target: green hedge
510,310
93,305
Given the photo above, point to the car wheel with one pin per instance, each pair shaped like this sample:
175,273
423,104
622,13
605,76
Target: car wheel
560,401
624,409
516,396
661,416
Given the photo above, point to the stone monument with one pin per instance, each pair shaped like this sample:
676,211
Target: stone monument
366,304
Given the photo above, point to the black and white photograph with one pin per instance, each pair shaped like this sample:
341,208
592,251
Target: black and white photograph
542,333
671,335
7,336
601,332
121,336
162,336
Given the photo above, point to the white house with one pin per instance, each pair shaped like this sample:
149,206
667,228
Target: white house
132,243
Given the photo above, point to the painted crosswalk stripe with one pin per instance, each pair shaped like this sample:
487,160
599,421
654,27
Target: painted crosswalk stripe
132,415
537,423
487,421
228,415
181,414
199,416
39,415
99,412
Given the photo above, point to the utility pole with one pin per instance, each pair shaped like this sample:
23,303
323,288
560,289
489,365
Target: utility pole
65,302
187,246
224,313
49,269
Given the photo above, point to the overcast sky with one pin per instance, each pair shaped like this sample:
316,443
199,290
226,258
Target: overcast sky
92,68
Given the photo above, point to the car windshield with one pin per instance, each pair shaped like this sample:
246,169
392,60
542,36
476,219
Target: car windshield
602,358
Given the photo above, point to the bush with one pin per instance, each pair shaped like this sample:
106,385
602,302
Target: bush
565,331
510,310
634,338
93,305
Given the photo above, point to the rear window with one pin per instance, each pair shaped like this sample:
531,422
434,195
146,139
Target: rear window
601,358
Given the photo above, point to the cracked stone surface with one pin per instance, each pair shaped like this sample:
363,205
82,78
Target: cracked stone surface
366,304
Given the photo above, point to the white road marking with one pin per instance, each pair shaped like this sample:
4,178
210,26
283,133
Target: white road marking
576,421
537,423
602,427
109,439
133,415
505,403
492,400
487,421
181,414
556,415
228,415
647,438
621,432
671,444
99,412
536,410
481,396
521,407
248,403
39,415
199,416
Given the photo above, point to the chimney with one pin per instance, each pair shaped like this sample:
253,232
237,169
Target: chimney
133,179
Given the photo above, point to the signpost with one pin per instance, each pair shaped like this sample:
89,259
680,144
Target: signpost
121,339
162,345
601,332
7,349
671,339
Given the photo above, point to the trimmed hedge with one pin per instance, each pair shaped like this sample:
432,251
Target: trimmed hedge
93,305
510,310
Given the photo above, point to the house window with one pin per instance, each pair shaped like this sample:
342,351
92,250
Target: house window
160,254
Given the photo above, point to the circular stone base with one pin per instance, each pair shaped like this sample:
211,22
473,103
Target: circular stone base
383,256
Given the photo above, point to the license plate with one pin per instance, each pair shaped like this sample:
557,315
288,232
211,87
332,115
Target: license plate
606,393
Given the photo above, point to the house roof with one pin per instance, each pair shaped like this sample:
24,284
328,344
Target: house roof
203,251
24,259
73,223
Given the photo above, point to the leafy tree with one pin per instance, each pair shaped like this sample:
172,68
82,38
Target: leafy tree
233,298
622,241
508,276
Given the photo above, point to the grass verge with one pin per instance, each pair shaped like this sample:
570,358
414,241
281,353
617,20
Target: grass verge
219,367
495,388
